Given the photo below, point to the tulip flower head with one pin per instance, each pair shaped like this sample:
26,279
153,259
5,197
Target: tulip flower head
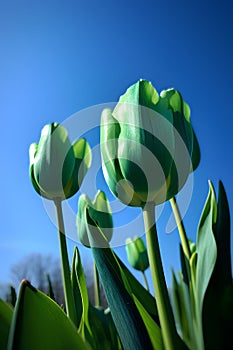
57,168
137,254
148,145
94,220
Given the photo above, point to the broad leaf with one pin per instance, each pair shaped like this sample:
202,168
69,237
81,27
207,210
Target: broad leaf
126,317
153,329
6,313
39,323
222,271
133,286
206,248
183,312
94,325
206,257
218,303
103,329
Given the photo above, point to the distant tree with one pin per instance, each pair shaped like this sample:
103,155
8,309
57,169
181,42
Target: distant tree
35,268
44,273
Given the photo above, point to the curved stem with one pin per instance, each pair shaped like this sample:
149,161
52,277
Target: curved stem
96,287
68,292
145,280
181,229
170,337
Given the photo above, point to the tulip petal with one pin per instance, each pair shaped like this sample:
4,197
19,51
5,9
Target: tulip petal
32,152
54,161
109,132
94,217
181,114
100,213
82,154
81,220
196,154
184,141
145,142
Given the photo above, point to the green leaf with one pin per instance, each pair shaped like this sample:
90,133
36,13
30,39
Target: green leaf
134,287
222,272
6,313
206,257
183,312
126,317
218,303
39,323
103,329
153,329
184,266
206,247
81,297
93,325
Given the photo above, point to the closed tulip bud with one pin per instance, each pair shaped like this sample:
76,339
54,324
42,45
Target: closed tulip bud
137,253
94,220
57,167
148,145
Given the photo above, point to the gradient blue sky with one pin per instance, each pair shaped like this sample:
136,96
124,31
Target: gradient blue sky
58,57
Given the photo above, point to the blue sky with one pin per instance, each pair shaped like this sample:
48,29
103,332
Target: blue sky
59,57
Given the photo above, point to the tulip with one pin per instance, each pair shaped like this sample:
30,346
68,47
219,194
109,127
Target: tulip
148,145
148,150
137,253
57,168
94,220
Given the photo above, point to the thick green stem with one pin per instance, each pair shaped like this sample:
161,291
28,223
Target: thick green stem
145,280
181,229
160,289
96,287
68,292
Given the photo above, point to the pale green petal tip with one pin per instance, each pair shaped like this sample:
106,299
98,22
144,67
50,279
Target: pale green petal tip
32,152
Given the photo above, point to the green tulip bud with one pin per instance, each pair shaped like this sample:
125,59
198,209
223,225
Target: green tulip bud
148,145
57,168
137,253
94,220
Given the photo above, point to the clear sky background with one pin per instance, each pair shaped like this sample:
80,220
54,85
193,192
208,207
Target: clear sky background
59,57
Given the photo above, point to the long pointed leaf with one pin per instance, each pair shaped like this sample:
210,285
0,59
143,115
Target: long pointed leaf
222,271
39,323
81,298
6,313
206,257
134,287
153,329
218,303
94,325
126,317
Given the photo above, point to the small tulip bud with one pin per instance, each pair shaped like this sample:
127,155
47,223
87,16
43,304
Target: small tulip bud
137,253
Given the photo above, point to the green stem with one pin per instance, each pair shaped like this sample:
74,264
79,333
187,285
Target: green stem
68,292
170,336
96,287
145,280
181,229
